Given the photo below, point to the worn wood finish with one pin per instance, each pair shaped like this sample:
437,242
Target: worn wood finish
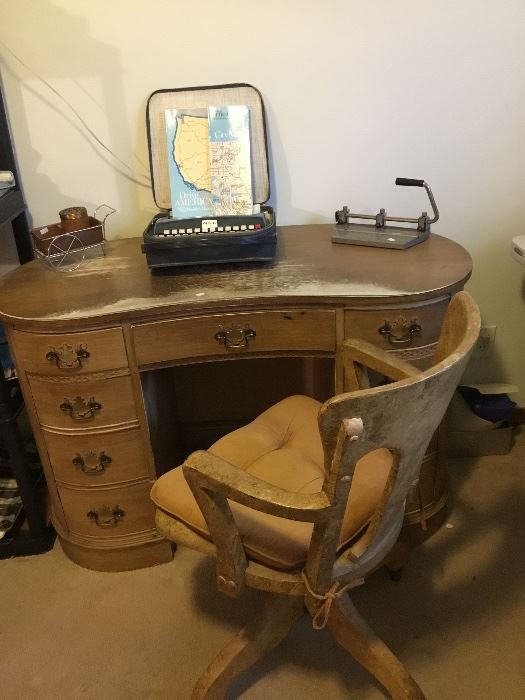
114,395
296,330
428,497
358,354
105,350
262,633
256,575
214,482
205,469
106,505
309,270
100,459
133,321
427,315
353,634
401,416
124,558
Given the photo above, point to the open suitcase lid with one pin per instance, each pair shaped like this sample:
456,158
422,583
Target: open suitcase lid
193,98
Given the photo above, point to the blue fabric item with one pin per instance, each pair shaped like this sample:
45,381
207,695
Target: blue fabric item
492,407
6,361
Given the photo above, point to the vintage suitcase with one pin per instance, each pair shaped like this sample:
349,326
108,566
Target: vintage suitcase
170,241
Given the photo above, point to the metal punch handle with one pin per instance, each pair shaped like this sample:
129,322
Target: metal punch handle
410,182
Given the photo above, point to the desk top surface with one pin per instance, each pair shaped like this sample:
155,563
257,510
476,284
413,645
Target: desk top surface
309,269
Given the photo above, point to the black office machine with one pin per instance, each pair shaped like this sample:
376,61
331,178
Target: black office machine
380,234
178,236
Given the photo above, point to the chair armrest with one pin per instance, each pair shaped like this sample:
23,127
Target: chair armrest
356,352
213,481
219,476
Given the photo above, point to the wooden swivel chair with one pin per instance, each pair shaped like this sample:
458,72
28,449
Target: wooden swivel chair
308,499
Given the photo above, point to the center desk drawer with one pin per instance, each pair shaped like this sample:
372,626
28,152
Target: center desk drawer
94,403
70,353
224,334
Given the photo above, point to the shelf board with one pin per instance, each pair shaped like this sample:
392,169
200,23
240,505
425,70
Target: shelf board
19,541
11,204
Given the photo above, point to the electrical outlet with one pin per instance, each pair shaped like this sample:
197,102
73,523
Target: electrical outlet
486,339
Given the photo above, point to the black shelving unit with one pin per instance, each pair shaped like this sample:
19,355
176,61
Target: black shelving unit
12,206
31,532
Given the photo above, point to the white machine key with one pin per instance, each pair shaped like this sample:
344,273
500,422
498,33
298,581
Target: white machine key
209,225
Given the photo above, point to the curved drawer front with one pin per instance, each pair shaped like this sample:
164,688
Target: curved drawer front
76,405
225,334
108,512
431,492
70,353
411,331
96,460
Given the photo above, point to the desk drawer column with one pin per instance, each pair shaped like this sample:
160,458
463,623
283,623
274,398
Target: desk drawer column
85,408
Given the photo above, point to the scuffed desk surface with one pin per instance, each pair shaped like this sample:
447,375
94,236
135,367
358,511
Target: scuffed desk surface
309,268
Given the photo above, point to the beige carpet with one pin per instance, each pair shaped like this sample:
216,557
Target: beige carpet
456,618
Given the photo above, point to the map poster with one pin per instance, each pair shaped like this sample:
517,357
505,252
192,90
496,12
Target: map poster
231,172
188,144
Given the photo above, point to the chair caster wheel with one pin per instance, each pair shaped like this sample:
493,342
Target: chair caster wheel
395,574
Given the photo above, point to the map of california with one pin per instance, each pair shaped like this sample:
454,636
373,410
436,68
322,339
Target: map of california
191,151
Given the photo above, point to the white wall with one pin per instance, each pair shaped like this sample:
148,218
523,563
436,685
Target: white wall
356,93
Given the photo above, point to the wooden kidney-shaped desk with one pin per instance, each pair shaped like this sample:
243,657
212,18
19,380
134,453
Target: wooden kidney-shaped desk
85,341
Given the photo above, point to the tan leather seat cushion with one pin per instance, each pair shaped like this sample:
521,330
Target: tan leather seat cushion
283,447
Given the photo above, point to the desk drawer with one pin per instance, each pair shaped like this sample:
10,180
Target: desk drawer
108,512
76,405
70,353
97,460
410,331
224,334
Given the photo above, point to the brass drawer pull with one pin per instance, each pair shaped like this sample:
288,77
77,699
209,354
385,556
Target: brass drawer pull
90,463
67,357
106,516
400,331
235,337
80,409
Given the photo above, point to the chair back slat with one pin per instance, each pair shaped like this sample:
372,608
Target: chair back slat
461,321
401,416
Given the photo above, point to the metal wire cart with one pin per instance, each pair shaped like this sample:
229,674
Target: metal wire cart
62,246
